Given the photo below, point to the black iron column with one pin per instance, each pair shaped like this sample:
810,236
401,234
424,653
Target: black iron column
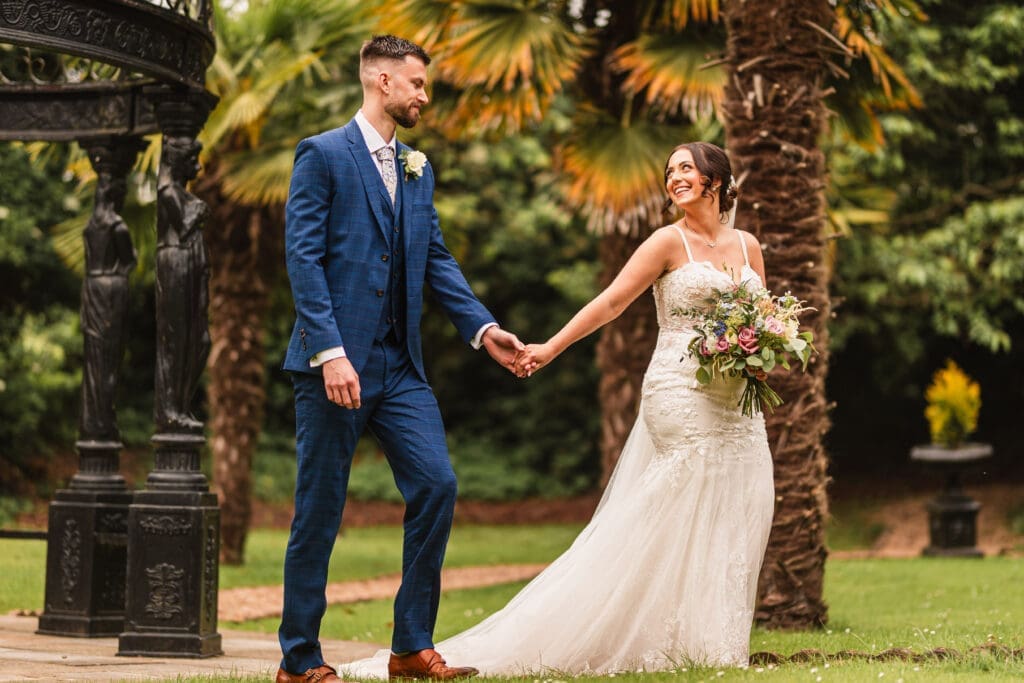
87,541
174,524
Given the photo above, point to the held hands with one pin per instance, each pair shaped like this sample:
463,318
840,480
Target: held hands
522,360
503,346
532,358
341,383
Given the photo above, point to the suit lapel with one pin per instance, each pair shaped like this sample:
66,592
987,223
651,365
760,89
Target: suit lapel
373,185
406,191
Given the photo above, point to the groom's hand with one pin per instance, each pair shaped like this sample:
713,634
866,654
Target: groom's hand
341,381
503,346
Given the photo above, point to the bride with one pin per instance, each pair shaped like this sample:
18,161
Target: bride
665,573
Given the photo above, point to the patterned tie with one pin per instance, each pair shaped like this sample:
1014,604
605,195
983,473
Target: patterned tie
386,155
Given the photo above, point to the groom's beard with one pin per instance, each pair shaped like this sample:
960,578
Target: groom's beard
406,117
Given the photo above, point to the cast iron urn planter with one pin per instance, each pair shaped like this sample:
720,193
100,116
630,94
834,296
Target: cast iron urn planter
952,515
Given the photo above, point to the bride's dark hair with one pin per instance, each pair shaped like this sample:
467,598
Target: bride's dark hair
713,164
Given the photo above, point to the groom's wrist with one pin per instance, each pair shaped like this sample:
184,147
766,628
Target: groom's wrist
478,338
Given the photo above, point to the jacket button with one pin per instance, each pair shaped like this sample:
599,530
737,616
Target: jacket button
380,292
384,258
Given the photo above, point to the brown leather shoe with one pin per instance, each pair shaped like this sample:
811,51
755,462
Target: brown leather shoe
321,674
426,664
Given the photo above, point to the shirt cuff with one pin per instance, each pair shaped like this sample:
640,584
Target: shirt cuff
319,359
478,338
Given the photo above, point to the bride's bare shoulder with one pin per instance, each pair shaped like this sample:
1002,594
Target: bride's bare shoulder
666,234
748,237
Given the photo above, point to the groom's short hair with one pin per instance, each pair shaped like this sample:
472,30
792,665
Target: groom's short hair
391,47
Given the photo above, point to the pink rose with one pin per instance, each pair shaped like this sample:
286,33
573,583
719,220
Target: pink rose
722,345
747,339
704,351
774,325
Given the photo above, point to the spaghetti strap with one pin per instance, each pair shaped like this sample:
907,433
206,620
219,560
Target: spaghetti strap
743,246
686,245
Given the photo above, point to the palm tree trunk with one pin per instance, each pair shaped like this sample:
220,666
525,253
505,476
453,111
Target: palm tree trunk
775,116
623,353
241,245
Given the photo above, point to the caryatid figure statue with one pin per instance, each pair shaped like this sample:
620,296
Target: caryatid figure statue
182,274
109,258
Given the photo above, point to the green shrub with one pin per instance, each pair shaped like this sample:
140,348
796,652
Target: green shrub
40,379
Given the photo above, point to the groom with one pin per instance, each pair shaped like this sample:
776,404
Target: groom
362,240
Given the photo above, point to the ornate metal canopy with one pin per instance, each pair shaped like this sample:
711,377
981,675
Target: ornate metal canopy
86,68
106,72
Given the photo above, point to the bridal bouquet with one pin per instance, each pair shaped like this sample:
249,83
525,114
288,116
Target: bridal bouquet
746,332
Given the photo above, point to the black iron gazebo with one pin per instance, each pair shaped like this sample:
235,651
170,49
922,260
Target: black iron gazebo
107,73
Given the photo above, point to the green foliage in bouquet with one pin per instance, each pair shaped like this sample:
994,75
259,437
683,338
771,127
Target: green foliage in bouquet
954,400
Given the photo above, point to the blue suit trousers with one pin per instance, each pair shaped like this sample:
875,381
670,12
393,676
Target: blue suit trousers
400,410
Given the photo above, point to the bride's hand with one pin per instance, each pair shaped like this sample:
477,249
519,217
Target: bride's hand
533,358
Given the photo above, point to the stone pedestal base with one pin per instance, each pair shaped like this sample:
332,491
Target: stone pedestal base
952,526
86,561
171,607
952,515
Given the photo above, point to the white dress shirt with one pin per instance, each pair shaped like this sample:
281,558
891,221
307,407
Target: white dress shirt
374,141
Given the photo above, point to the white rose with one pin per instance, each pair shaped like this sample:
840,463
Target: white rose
414,163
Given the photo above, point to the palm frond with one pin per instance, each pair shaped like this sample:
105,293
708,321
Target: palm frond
510,45
425,22
479,110
861,40
258,179
67,241
245,110
615,171
669,71
149,161
674,15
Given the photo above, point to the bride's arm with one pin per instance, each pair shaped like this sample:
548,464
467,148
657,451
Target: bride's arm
647,264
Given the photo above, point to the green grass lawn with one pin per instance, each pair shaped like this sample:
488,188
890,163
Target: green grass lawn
920,603
367,552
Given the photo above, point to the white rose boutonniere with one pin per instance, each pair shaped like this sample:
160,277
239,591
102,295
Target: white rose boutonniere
413,161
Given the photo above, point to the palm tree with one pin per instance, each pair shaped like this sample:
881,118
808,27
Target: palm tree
781,56
775,116
267,58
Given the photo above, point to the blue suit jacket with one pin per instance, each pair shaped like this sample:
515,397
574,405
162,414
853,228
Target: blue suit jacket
336,220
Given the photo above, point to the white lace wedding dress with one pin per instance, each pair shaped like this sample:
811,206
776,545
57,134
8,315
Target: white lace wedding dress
665,573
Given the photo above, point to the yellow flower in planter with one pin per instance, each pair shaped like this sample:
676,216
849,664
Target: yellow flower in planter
954,400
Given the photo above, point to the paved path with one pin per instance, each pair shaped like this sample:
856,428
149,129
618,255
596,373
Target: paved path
26,656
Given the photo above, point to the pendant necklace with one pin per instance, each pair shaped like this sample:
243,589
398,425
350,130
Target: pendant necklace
710,243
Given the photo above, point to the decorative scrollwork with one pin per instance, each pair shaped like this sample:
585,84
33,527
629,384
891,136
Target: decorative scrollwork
166,525
70,560
130,35
210,563
166,591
